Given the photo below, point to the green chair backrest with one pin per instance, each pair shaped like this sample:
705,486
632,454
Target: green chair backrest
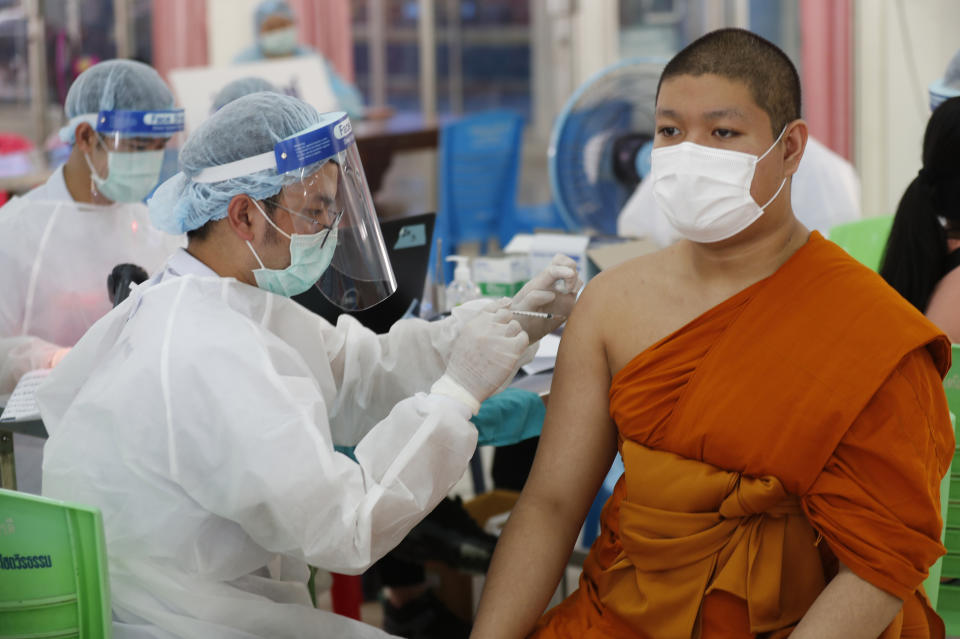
947,609
53,569
865,240
951,383
931,584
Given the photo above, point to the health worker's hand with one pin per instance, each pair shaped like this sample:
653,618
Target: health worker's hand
553,290
487,352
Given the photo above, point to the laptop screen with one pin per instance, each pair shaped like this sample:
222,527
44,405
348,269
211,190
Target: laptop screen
408,242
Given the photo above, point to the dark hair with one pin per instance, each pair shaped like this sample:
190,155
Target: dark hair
201,233
740,55
916,255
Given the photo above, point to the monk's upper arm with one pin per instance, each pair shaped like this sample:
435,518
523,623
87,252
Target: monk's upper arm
942,309
877,502
578,442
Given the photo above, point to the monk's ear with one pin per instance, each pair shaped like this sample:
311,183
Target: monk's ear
794,143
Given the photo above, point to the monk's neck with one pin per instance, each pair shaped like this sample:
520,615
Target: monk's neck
748,259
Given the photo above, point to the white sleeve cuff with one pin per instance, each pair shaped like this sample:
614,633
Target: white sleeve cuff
446,387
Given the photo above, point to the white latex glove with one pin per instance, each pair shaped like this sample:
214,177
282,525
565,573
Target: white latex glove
484,357
553,290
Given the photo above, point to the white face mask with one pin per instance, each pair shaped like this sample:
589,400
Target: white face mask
705,192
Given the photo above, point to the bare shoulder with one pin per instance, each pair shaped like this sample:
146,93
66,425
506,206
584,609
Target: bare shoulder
627,308
644,275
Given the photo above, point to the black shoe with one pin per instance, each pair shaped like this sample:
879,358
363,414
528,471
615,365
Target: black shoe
424,618
449,534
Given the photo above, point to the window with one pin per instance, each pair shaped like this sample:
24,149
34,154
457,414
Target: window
76,35
483,57
662,27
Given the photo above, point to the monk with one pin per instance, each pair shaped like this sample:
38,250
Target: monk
778,407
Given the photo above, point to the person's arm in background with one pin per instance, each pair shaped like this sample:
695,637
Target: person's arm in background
576,449
944,307
19,353
348,96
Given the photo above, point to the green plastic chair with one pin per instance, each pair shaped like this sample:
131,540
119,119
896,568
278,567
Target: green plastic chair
53,570
931,584
946,601
865,240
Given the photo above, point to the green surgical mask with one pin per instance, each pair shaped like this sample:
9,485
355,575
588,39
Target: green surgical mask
131,174
279,41
310,256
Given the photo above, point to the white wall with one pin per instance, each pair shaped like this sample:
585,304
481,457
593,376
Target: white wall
229,29
894,62
571,41
596,37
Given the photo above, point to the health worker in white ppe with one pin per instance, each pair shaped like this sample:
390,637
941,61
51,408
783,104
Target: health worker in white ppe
275,31
60,241
201,415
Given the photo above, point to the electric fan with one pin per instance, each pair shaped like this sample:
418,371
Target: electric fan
600,145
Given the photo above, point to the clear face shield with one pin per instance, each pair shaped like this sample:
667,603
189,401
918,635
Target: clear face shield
330,192
134,143
336,246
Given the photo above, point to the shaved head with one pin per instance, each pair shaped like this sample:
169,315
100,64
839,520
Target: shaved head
739,55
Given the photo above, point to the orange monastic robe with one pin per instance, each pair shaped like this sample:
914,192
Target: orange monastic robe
799,422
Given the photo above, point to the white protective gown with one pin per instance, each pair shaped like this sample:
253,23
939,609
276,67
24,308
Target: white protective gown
201,416
55,188
825,191
55,256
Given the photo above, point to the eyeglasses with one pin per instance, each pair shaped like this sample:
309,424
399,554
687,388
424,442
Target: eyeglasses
336,222
317,221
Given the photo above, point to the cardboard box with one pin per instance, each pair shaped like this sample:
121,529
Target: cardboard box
501,276
546,245
609,255
541,248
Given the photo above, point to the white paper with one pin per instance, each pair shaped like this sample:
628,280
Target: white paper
22,405
546,357
304,77
521,243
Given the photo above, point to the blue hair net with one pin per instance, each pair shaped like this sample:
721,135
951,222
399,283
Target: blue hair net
246,127
114,84
239,88
269,8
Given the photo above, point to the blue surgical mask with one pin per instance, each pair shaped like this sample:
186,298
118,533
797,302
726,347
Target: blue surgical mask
279,41
310,256
131,175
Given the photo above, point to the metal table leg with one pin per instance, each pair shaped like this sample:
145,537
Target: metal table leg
8,467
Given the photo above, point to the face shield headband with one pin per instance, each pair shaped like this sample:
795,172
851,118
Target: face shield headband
163,123
322,179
